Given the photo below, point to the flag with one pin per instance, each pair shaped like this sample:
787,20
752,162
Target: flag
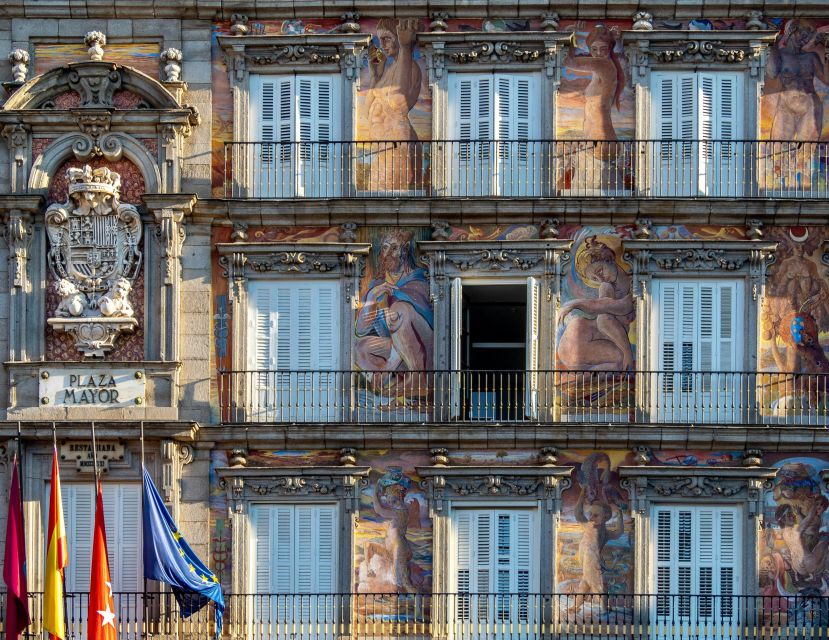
168,558
14,564
101,622
54,616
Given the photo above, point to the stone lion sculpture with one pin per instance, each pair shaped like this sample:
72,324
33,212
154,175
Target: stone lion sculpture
115,304
72,301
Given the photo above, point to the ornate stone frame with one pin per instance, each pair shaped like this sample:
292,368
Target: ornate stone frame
743,51
474,51
739,259
736,486
448,487
446,260
285,55
244,261
291,485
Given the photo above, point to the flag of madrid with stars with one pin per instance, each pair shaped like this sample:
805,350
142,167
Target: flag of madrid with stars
101,616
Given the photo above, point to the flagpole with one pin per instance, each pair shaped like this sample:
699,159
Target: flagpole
144,626
22,515
63,574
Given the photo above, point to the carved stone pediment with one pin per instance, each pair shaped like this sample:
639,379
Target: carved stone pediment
542,482
539,49
740,49
646,484
94,257
451,259
285,53
244,484
243,260
749,258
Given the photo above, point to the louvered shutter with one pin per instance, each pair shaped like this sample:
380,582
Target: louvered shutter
78,501
471,124
456,345
122,515
721,124
696,560
532,347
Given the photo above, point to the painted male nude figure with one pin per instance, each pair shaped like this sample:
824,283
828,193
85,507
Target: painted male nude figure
394,88
597,339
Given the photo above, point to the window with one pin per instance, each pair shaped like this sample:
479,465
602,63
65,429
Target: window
495,577
697,125
697,567
293,568
699,341
122,516
495,348
493,119
295,127
294,349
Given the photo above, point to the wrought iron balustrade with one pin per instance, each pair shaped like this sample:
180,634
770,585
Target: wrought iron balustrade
528,168
463,616
687,397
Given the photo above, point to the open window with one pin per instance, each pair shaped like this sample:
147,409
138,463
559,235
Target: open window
495,348
295,126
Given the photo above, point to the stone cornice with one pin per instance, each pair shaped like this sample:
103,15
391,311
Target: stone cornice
207,10
36,430
581,211
563,436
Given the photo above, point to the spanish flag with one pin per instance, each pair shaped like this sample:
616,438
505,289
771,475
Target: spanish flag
54,616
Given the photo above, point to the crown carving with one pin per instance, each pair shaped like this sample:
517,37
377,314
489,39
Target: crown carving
100,180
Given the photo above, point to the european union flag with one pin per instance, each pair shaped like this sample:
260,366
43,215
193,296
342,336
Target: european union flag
168,558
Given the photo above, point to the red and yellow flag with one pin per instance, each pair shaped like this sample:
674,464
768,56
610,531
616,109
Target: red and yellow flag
57,555
101,622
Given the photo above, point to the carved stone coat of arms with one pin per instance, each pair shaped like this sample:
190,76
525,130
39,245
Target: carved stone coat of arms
94,256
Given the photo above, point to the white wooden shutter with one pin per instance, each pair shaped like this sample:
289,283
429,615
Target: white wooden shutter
122,515
696,551
532,347
456,345
470,108
79,516
295,549
294,325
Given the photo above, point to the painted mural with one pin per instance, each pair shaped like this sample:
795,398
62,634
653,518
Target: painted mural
141,56
394,104
795,538
594,553
393,551
394,324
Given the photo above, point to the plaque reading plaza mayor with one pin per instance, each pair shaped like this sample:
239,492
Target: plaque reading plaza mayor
88,387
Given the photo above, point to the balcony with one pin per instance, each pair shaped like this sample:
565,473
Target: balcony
605,397
461,616
528,168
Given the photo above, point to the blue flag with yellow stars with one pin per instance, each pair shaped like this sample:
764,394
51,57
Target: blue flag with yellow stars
169,559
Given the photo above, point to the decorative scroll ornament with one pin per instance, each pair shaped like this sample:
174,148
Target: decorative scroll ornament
94,256
701,51
496,52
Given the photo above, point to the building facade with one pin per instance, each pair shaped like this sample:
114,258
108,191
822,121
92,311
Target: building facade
466,320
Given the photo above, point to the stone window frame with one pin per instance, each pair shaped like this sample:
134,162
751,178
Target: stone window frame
746,260
242,262
493,486
482,52
292,485
491,260
740,50
305,54
743,486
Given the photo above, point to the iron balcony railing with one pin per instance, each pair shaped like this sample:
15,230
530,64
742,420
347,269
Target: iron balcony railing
466,616
687,397
528,168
